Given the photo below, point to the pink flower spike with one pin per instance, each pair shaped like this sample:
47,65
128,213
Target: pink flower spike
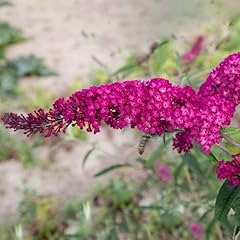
164,173
153,107
229,170
197,231
196,49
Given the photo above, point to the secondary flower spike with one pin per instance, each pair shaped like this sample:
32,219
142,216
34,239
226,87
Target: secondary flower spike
194,52
229,170
152,106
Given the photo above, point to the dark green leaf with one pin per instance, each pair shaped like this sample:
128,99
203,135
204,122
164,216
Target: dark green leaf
225,198
125,68
156,153
89,152
210,228
192,163
151,207
111,168
8,84
213,157
160,56
30,66
143,162
9,35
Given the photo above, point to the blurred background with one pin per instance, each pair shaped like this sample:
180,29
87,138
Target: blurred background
51,48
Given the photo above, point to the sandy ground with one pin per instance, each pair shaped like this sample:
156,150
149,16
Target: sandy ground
67,34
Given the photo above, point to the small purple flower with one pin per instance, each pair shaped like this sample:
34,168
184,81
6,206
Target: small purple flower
197,230
196,49
164,173
229,170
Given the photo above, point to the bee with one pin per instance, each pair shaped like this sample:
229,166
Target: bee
142,143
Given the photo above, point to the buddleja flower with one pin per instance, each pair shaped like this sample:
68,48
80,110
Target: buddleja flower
197,230
196,49
219,95
229,170
153,107
164,173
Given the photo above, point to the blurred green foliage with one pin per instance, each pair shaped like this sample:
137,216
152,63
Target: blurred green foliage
142,208
12,148
13,69
4,2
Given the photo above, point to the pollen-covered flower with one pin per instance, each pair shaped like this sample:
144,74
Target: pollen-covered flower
229,170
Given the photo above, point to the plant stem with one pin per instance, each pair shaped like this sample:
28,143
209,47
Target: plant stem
188,176
234,233
238,234
219,232
231,140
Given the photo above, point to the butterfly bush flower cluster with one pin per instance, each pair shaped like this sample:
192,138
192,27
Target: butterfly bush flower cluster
153,107
229,170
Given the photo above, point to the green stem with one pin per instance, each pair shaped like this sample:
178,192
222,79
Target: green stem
237,236
189,180
234,233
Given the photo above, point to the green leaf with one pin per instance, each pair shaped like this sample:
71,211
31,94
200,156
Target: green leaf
213,157
2,53
9,35
229,130
89,152
225,198
163,59
129,66
30,66
8,84
210,228
151,207
4,3
192,163
143,162
156,153
111,168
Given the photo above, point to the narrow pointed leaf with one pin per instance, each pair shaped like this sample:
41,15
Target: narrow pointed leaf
225,198
89,152
111,168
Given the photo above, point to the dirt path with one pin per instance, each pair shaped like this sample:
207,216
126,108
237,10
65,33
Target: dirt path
67,34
